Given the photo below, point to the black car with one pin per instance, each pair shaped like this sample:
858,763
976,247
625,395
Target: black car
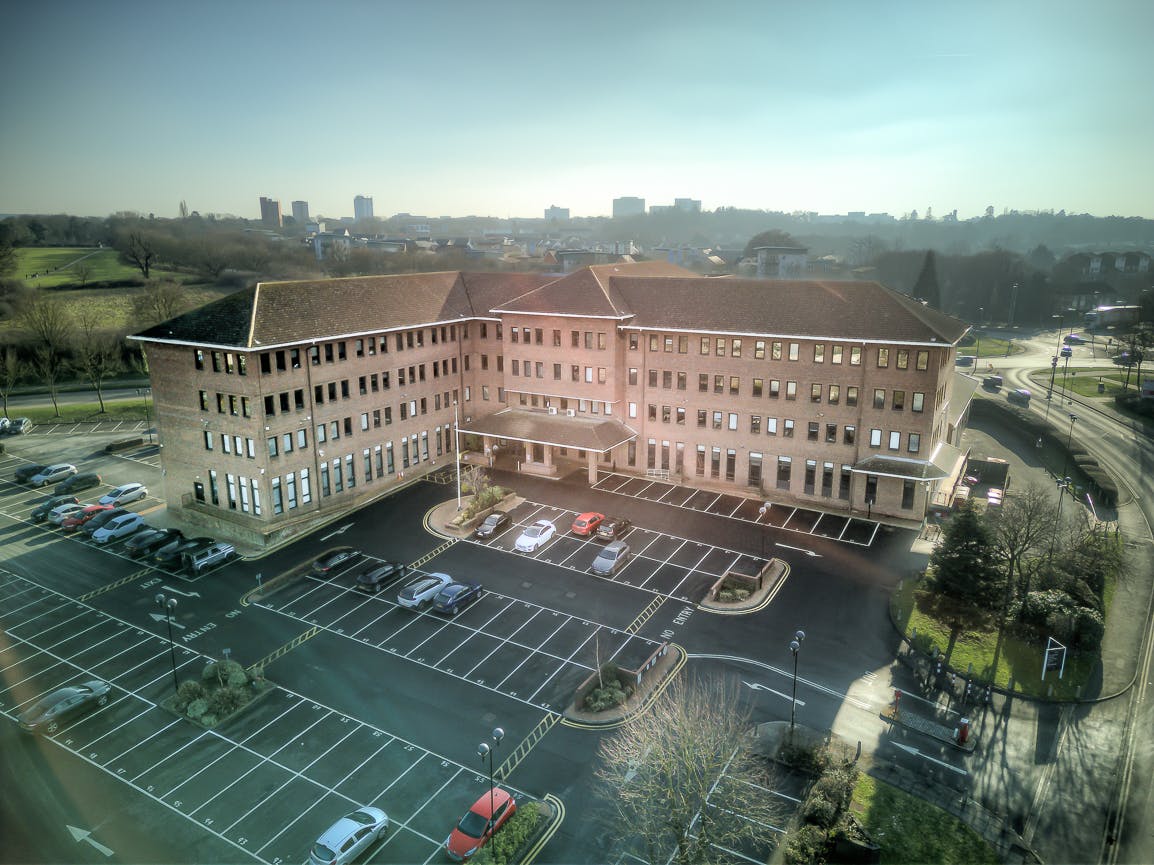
496,522
376,579
90,527
613,528
24,473
171,555
64,703
149,541
323,566
78,482
456,596
40,513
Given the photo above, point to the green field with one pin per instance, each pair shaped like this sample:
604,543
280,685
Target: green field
58,266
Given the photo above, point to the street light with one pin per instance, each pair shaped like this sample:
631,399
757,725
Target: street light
483,751
457,447
1054,363
168,605
146,392
1069,441
795,647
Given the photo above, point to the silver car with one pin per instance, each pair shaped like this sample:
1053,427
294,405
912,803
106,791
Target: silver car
124,494
420,593
349,837
118,527
611,558
51,474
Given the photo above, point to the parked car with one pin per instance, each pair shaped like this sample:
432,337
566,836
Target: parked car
965,360
98,520
420,592
124,494
78,482
349,837
51,474
214,554
75,521
118,527
1066,351
480,823
586,524
456,596
536,536
40,512
63,704
323,566
992,382
62,512
611,558
20,426
172,554
493,524
612,528
149,540
377,578
24,473
1021,396
5,424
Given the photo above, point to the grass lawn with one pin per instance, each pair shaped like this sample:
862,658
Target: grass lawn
988,347
1019,664
128,409
909,829
1084,381
103,263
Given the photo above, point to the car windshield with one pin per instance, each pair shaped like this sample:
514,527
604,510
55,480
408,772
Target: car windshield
323,853
451,591
533,531
362,818
608,555
473,824
417,588
491,520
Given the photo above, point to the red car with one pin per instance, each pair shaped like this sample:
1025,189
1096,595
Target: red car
79,518
476,827
587,524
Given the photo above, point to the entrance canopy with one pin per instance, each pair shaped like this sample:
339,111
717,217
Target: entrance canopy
540,427
947,462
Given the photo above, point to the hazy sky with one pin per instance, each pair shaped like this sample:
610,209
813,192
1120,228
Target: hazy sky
503,108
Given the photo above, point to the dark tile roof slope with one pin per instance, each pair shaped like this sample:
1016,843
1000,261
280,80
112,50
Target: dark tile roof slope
836,309
222,322
589,434
589,291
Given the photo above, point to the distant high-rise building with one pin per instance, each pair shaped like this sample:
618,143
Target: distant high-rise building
628,205
301,212
554,212
270,212
363,207
687,205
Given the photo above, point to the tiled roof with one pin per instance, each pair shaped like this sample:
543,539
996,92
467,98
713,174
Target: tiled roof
589,291
803,308
589,434
222,322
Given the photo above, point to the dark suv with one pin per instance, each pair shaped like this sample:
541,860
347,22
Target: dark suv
40,513
612,528
76,483
379,577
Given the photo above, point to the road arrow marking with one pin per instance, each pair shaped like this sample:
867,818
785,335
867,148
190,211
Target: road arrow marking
942,763
758,687
86,836
809,553
339,531
177,592
158,617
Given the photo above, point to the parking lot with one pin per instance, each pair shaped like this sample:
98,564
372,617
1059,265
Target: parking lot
838,527
268,783
87,428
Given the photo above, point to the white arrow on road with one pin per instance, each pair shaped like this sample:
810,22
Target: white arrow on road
810,553
918,753
339,531
178,592
86,836
759,687
157,617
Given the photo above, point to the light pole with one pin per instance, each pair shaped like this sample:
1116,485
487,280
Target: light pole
483,751
457,448
146,392
168,606
1054,363
795,647
1069,441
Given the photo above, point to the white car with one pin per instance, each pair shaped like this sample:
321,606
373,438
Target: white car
118,527
536,536
420,593
51,474
124,494
349,837
62,512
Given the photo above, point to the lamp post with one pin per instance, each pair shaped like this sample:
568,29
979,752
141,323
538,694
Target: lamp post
1069,441
168,606
457,447
146,392
795,647
1054,364
484,750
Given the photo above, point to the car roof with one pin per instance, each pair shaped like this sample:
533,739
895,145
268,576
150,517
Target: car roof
614,545
543,523
589,515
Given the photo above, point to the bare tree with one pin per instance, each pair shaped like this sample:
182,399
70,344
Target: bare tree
49,366
474,479
140,253
83,272
1022,527
159,301
683,779
11,371
97,355
50,321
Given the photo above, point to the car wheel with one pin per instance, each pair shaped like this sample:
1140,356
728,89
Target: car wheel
103,701
453,611
52,726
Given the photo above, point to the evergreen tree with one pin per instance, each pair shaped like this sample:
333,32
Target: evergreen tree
926,286
967,579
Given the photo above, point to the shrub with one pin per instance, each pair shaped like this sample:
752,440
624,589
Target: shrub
224,701
208,674
810,759
837,785
197,708
607,696
187,692
505,845
806,845
237,678
209,720
820,810
726,596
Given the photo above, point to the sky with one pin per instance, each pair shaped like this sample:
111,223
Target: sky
505,108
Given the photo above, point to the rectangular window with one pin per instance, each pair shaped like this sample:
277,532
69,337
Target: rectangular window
834,394
226,444
923,361
290,485
898,403
794,351
771,426
733,420
815,392
875,438
703,382
774,388
855,355
831,433
851,397
705,345
717,419
702,416
302,438
850,434
883,358
538,336
653,378
652,412
683,344
758,384
735,348
680,416
755,424
787,429
919,401
915,443
759,349
632,409
895,440
589,375
903,358
791,390
306,486
666,413
879,398
667,379
719,384
812,430
633,342
719,346
632,375
819,353
681,381
835,354
207,440
907,494
277,497
784,469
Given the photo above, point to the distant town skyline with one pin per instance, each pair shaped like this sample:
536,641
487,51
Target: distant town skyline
509,108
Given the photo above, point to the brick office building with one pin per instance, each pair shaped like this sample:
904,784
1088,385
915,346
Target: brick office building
296,401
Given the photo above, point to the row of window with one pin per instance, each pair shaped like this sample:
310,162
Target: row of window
575,371
226,403
721,346
577,338
283,360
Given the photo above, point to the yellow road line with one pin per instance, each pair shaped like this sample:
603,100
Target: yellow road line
646,614
547,835
143,572
432,554
527,745
286,648
650,698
